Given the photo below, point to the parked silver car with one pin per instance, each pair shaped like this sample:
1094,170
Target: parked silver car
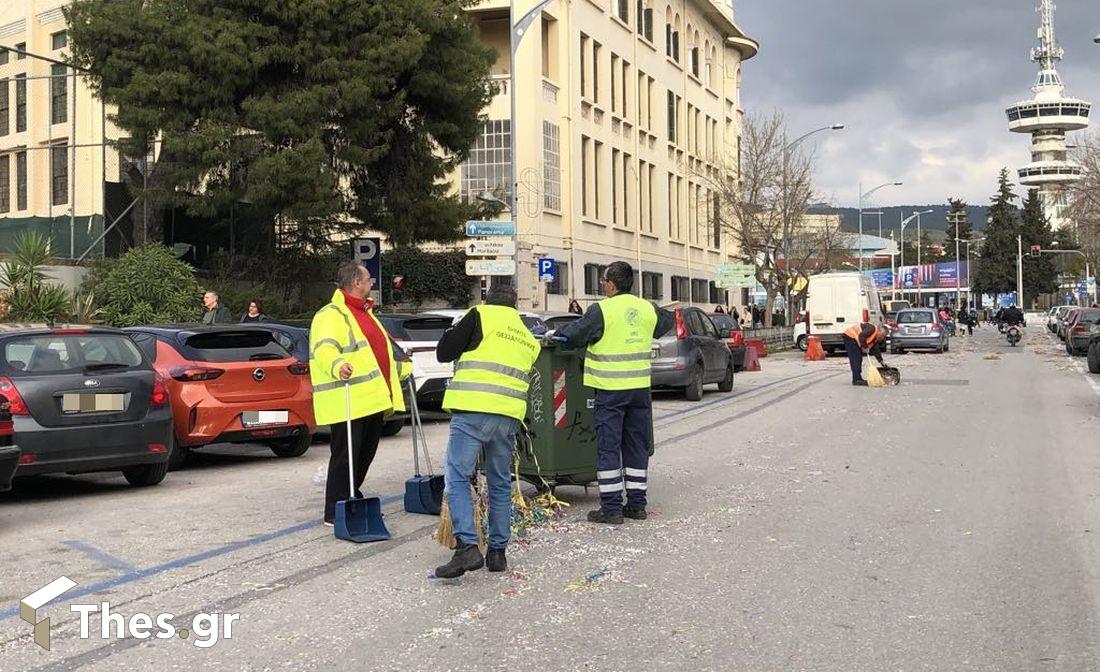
918,329
1079,332
692,354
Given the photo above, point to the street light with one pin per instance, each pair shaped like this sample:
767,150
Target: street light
1088,269
863,196
904,222
958,279
786,218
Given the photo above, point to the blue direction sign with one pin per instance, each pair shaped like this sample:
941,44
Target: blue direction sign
548,269
477,229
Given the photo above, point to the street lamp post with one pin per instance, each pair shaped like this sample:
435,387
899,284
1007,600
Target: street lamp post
904,222
786,214
862,197
1088,269
969,284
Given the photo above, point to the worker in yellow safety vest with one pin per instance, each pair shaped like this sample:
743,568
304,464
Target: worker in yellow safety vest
860,340
493,351
350,348
619,333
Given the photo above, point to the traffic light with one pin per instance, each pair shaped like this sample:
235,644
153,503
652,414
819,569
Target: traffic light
1036,250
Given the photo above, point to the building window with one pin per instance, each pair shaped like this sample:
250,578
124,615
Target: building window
671,207
593,279
695,61
597,181
550,49
644,17
615,158
627,169
718,296
614,84
59,40
59,175
21,47
585,151
700,291
560,285
20,103
5,107
3,56
716,221
59,94
551,166
596,72
489,167
21,181
680,288
653,286
5,184
670,112
622,10
584,65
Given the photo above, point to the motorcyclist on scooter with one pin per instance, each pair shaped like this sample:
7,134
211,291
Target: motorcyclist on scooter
1013,316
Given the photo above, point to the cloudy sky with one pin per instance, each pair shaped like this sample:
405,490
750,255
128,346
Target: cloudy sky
921,85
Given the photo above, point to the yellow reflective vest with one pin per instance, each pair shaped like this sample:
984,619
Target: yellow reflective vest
620,360
335,339
493,377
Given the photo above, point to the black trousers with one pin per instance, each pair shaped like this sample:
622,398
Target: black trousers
622,422
365,433
855,357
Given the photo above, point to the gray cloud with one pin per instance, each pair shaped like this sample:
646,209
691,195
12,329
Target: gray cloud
921,85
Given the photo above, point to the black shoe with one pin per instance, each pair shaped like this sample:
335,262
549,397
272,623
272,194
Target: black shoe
601,516
466,559
859,383
634,513
495,560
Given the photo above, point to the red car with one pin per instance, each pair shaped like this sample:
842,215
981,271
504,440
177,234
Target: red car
735,339
231,384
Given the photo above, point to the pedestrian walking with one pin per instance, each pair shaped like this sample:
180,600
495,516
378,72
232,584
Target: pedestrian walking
255,313
619,333
494,353
860,340
575,307
349,347
213,311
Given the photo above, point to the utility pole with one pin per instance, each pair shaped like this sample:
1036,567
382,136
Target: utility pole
1020,272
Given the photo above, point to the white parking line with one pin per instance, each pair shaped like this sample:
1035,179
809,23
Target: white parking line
1090,378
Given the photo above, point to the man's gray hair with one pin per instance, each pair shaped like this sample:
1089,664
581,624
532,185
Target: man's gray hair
348,273
502,295
212,292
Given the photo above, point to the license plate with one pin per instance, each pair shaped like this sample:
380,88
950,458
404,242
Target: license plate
257,418
655,353
91,402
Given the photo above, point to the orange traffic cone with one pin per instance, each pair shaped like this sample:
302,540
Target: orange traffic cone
752,360
760,345
814,351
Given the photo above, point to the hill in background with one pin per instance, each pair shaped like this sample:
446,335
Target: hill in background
936,221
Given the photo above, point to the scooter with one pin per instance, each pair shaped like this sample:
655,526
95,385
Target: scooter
1014,335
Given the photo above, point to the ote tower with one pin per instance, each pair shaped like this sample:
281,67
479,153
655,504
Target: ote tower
1048,117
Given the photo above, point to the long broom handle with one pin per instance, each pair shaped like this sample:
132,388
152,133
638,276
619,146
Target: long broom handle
412,421
418,428
351,468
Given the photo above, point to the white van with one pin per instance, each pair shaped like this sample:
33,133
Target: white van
836,301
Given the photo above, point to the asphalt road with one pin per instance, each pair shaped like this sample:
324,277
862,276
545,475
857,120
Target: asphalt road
951,523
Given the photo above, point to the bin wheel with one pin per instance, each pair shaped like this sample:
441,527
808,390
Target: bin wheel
543,488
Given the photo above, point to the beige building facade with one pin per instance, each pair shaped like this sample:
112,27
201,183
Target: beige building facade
53,161
621,106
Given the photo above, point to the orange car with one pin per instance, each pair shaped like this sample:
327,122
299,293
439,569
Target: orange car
231,384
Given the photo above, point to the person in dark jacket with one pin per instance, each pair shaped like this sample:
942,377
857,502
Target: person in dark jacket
255,313
214,312
575,307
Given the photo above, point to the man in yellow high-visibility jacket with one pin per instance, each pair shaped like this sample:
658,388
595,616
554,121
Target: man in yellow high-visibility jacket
349,347
619,333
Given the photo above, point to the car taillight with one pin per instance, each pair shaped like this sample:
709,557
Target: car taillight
737,338
866,316
15,400
159,448
160,391
27,458
681,328
69,331
299,368
189,374
1079,329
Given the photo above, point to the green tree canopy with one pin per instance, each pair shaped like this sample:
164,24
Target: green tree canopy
1040,273
958,221
996,272
338,115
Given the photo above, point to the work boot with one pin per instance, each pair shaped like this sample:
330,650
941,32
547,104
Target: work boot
495,560
601,516
634,513
467,558
859,383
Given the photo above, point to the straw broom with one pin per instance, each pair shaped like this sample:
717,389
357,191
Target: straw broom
873,376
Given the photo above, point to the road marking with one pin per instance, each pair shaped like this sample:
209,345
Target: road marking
729,398
99,555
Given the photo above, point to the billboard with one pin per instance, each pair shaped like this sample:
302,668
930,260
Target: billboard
882,277
933,276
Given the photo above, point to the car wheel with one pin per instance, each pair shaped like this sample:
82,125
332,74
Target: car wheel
178,455
1094,357
694,389
1069,349
293,447
727,382
947,346
803,342
144,475
393,427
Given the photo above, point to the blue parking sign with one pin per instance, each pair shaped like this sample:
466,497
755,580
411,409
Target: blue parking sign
548,269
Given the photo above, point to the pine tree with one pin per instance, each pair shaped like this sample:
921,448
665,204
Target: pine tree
996,271
1040,273
958,221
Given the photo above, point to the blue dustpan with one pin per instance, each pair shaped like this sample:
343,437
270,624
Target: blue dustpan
358,519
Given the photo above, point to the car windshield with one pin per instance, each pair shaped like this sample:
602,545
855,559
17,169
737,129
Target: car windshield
233,346
915,317
64,352
1089,317
724,322
425,328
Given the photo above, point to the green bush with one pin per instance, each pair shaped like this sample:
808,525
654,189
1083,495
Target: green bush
428,275
27,296
146,285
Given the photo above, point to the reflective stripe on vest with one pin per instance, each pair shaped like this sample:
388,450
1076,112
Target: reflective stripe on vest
493,377
354,380
621,359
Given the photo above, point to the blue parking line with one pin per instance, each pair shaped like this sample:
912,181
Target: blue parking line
99,555
137,574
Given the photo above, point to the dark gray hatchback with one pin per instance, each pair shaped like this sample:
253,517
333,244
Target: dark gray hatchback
84,399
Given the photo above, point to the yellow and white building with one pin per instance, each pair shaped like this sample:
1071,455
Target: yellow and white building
54,165
620,106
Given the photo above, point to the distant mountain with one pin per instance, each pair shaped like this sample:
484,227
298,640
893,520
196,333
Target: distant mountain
893,215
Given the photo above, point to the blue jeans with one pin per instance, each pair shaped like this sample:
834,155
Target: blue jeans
472,433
